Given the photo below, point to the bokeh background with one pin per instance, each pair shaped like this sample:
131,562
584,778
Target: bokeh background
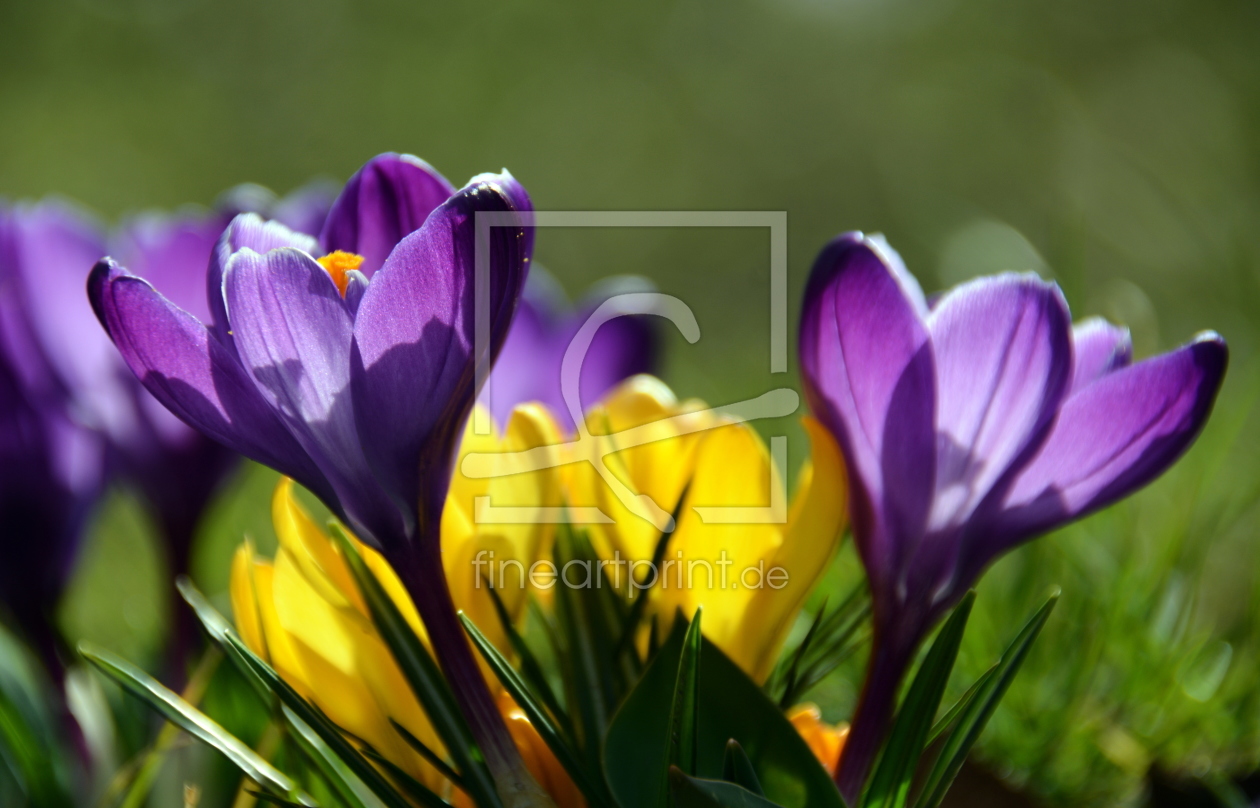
1110,145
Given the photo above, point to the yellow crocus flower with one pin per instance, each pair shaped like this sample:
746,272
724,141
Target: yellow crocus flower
303,613
751,574
479,549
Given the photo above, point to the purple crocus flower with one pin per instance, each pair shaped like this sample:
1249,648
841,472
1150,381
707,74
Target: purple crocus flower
347,363
176,468
51,470
528,368
970,426
64,366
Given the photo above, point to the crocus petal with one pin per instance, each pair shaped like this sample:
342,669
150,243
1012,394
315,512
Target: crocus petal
1113,437
1099,348
528,369
306,209
1003,362
293,332
172,253
384,202
47,333
356,285
181,363
414,337
246,231
622,348
812,536
870,378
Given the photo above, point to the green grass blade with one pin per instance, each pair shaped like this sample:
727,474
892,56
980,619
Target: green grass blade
193,721
332,769
738,769
638,606
684,709
325,729
977,713
415,789
694,792
435,760
531,669
587,663
423,676
591,783
944,722
889,786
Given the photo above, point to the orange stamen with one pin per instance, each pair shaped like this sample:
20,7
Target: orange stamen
338,264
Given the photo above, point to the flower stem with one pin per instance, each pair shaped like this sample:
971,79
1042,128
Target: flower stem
426,581
873,717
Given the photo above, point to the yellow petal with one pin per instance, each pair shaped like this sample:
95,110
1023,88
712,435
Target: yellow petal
245,600
393,587
658,467
538,757
464,490
311,549
340,656
814,530
723,566
277,642
824,740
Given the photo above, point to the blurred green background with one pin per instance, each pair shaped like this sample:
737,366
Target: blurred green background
1110,145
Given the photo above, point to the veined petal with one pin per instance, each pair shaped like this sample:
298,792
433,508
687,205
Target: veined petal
188,370
293,332
414,339
869,375
1099,348
1003,363
245,231
173,253
1113,437
383,203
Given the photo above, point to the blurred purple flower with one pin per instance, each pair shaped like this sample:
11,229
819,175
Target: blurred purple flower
176,468
528,368
68,395
353,379
51,471
971,426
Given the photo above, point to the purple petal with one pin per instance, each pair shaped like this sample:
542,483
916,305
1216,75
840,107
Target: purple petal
1113,437
1003,362
306,209
246,231
384,202
356,286
51,471
180,362
1099,348
528,369
173,254
869,375
414,336
49,249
